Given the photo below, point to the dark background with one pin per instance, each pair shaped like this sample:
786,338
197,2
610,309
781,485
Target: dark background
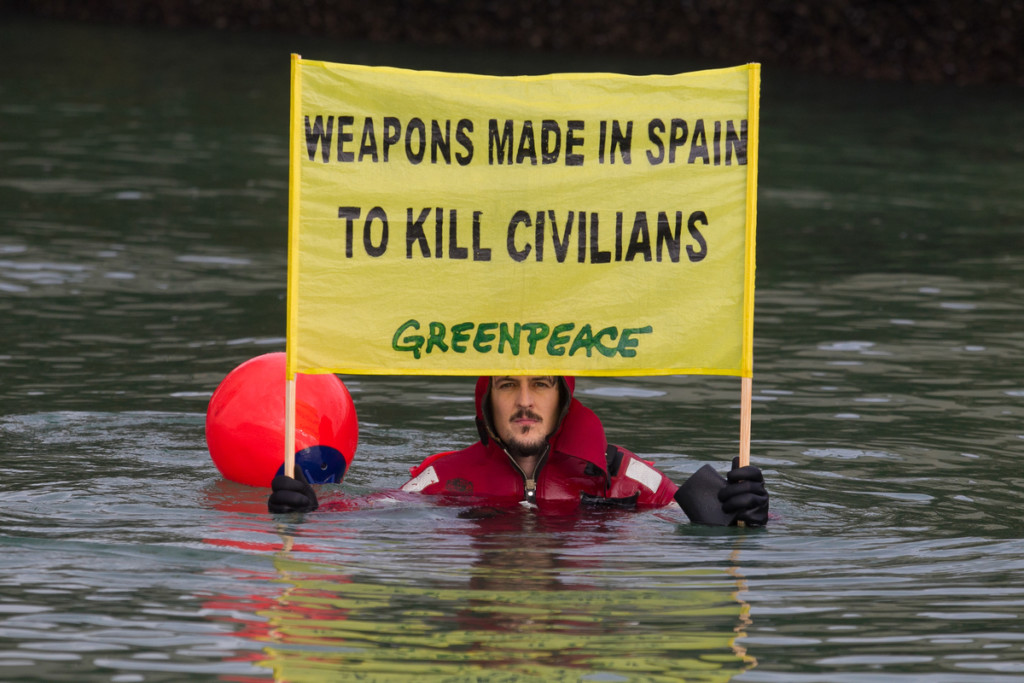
930,41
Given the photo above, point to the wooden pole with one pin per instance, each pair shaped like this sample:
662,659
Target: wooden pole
289,428
293,224
746,396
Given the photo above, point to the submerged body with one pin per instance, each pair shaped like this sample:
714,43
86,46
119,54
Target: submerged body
541,447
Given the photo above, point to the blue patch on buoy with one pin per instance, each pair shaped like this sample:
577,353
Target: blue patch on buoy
320,464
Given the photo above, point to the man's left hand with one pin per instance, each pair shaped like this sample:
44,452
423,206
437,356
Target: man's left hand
745,495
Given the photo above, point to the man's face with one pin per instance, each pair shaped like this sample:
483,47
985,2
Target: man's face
525,409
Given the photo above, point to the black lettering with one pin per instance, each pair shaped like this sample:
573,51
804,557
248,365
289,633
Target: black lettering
376,213
343,137
717,142
561,245
392,134
438,232
368,143
441,142
655,127
640,238
618,236
695,255
479,253
510,242
503,144
581,234
736,142
415,155
676,137
454,250
538,235
699,144
527,145
317,134
549,129
349,214
414,233
572,142
621,141
668,238
462,130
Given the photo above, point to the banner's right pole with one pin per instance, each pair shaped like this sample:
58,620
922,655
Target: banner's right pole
747,388
745,399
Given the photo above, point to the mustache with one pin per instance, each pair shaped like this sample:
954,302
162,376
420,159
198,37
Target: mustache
528,414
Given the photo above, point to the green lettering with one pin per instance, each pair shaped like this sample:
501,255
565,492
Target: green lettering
436,337
535,332
511,339
605,351
584,340
460,336
484,337
559,339
412,342
627,344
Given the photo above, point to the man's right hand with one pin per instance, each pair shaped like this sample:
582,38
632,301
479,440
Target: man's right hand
292,495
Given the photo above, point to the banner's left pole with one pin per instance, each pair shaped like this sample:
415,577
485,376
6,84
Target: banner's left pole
289,428
293,225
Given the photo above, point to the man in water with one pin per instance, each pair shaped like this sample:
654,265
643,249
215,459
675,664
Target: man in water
540,445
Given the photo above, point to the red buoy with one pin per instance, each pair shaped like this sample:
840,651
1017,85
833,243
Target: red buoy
245,424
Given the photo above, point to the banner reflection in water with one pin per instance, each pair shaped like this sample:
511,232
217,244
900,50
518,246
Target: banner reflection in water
530,606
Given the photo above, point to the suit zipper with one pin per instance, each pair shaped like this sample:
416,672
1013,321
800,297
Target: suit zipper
529,483
531,490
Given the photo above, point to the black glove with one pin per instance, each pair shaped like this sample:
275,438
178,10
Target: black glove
745,497
709,498
292,495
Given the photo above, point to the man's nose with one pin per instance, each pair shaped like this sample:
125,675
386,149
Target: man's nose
525,397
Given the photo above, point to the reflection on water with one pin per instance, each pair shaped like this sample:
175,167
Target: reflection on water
143,192
539,605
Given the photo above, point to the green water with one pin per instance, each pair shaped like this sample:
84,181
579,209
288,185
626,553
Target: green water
143,203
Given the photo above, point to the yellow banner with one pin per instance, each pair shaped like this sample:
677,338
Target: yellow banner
584,224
